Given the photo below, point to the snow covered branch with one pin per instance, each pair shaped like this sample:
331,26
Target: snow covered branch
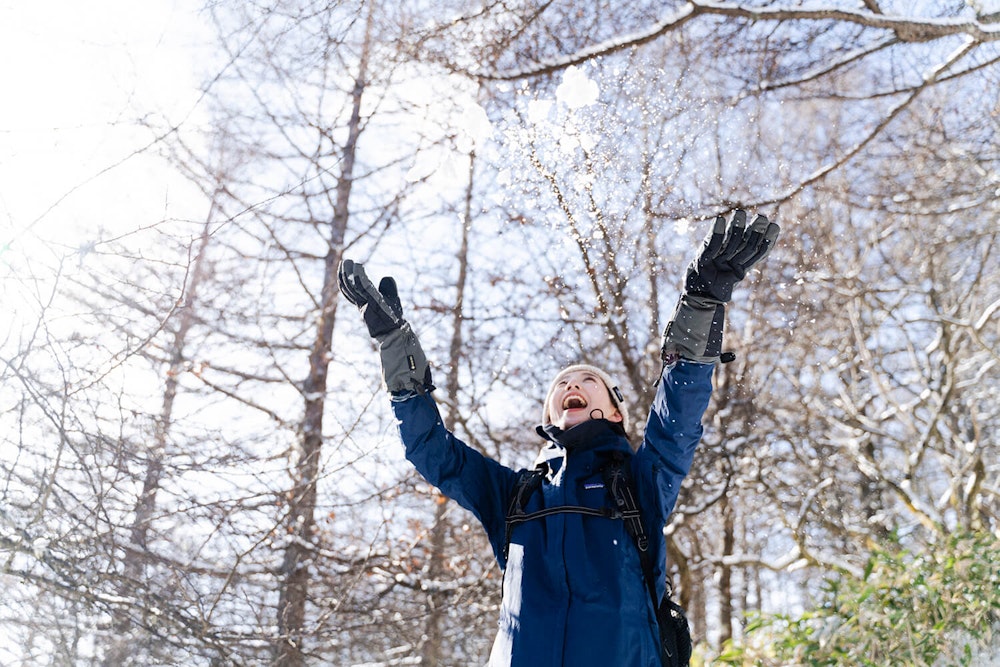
903,28
906,28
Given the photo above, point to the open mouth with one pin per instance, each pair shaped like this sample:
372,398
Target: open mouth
574,402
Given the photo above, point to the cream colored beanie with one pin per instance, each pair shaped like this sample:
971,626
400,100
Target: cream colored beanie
616,397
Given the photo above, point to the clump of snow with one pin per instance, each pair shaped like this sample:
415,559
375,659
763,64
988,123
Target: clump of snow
557,119
472,124
577,89
538,110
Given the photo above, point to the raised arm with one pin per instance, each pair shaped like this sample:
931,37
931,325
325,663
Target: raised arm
692,345
475,481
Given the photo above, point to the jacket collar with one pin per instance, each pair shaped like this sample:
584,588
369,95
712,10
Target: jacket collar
591,434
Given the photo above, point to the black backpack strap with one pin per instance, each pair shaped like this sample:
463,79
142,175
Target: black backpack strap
675,634
527,483
620,487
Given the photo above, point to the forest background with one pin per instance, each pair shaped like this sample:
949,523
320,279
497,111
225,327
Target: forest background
198,464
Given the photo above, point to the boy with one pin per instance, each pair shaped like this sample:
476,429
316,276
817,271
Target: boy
574,590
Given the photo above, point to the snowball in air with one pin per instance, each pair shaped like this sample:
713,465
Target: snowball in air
577,89
538,110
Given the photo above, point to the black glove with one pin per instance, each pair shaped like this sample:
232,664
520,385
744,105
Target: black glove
695,332
404,366
728,254
380,308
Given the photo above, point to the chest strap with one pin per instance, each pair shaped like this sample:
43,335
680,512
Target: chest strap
626,509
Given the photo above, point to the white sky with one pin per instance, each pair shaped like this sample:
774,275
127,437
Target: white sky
75,76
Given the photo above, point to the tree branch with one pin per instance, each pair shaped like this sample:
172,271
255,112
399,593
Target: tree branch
905,29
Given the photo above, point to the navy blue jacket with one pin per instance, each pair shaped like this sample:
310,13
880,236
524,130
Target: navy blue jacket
573,588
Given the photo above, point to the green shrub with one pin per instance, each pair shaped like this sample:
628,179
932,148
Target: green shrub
938,607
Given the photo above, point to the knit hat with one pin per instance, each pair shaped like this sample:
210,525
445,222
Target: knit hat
609,384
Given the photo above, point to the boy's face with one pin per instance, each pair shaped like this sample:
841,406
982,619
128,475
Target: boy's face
578,396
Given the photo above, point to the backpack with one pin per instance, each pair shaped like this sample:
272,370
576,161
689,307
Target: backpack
675,633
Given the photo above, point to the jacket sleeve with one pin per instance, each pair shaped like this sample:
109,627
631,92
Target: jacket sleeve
473,480
673,431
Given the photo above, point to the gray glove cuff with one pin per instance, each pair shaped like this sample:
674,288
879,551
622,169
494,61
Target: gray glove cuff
404,366
695,332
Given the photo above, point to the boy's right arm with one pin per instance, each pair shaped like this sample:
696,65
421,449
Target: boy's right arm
475,481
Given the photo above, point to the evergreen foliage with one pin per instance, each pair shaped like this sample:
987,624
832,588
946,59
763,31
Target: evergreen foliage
936,606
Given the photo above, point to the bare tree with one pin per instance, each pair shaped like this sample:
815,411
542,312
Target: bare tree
253,501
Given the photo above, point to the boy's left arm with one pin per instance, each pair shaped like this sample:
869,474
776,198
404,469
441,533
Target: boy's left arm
692,345
673,431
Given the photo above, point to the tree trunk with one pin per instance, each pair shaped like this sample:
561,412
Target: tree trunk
123,644
431,650
726,574
300,521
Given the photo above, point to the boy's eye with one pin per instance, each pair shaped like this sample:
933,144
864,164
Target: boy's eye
590,379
